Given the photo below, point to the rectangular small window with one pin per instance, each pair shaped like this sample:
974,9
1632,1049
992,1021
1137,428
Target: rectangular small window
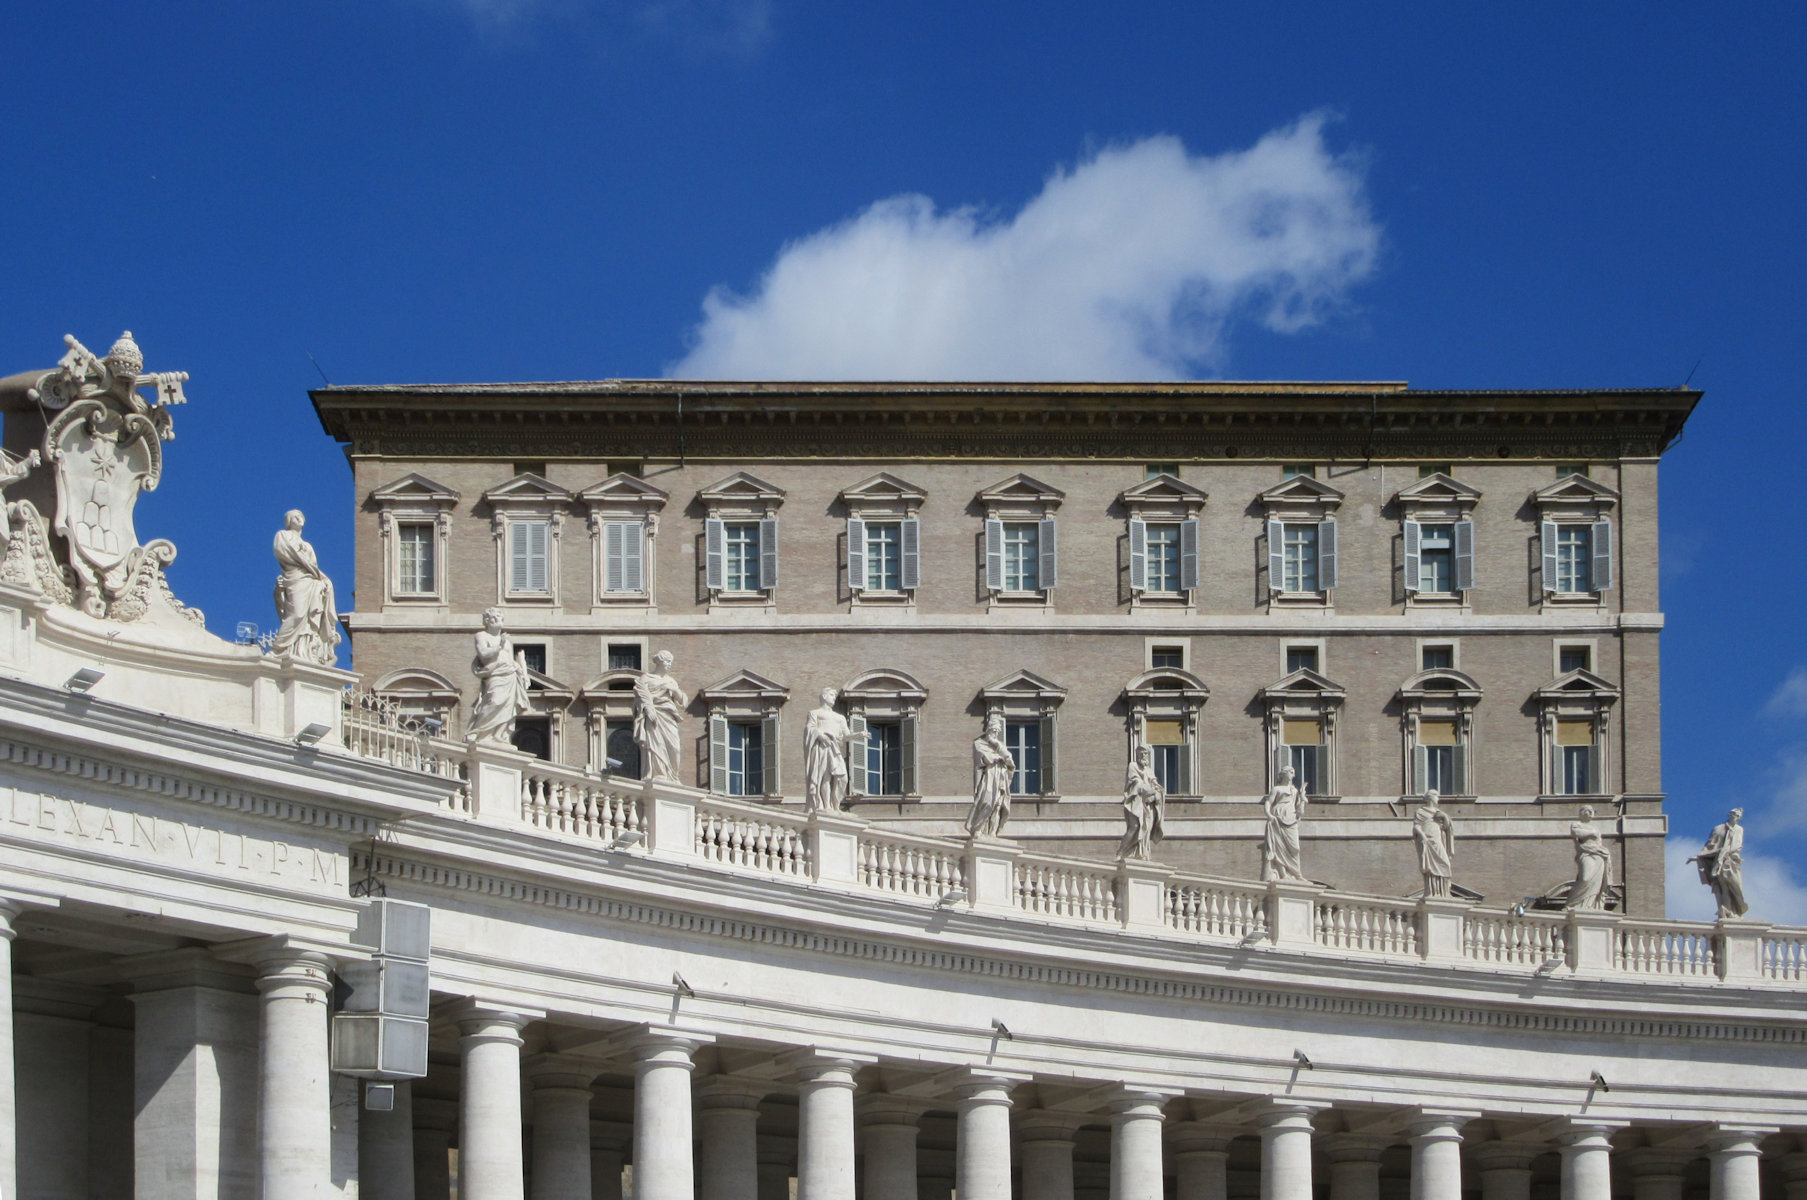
619,745
1167,656
1300,558
1564,470
1156,470
530,468
1301,658
528,547
1426,470
533,735
1574,556
1293,470
1574,658
1024,738
884,758
1438,658
632,467
746,758
1163,558
884,556
624,656
1439,745
415,547
741,556
1022,556
534,653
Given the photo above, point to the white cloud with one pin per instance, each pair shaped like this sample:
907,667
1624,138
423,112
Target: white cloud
733,27
1131,265
1790,697
1770,887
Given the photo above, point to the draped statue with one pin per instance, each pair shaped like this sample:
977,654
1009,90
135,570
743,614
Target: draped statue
304,599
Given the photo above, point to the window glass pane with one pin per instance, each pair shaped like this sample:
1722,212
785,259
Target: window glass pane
1574,558
1436,558
1436,733
1439,658
414,558
1301,658
884,758
533,735
1307,763
1577,774
1167,766
1574,658
1426,470
740,562
1163,558
1290,470
884,556
534,654
1025,741
1022,556
1440,768
619,744
1301,558
624,657
1156,470
1165,733
746,776
1167,656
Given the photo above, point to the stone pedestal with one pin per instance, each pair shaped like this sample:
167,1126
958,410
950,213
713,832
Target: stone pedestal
1291,913
386,1148
294,1109
490,1165
728,1138
1740,949
834,841
1590,941
670,819
1440,927
991,873
561,1130
496,774
1142,894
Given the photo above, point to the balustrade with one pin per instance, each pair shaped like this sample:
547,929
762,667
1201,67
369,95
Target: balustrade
1215,909
1664,948
1377,926
909,866
1513,939
1053,888
751,838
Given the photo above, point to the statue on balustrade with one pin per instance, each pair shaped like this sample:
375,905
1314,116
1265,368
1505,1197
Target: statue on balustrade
1285,807
501,684
304,599
1721,864
1435,837
992,770
659,705
825,735
1593,863
1144,808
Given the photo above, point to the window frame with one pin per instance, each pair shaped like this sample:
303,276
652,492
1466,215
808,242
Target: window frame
608,698
884,695
739,499
520,504
1578,695
1021,698
1168,694
1297,501
623,501
1304,695
1571,501
1161,502
1020,500
882,499
1438,695
744,698
414,500
1437,499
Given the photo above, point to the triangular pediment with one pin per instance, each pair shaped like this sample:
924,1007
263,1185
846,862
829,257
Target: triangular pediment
1575,489
541,684
1023,683
882,487
527,488
1441,681
415,489
741,486
1579,682
622,488
1304,682
1021,488
744,685
1438,489
1301,489
1163,489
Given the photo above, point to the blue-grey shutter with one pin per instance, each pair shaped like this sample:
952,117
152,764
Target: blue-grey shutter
1602,554
633,556
1459,757
1189,554
1464,556
911,536
768,553
856,756
1047,735
718,754
1326,555
517,556
1276,557
1421,769
1183,784
1049,566
1414,563
1138,556
1548,534
715,572
768,756
906,754
614,572
538,556
994,555
856,554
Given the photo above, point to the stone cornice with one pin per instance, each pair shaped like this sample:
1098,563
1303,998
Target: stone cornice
1166,421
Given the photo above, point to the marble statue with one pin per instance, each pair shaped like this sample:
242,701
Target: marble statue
1144,808
659,705
501,684
1593,863
992,770
1285,806
1721,863
304,599
825,735
1435,837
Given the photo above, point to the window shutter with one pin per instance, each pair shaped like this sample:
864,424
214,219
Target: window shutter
1189,554
1276,557
1459,758
1602,553
517,556
1549,556
1464,557
906,754
769,756
614,571
768,553
1138,556
1326,555
994,555
1185,773
856,554
536,556
1414,543
715,572
718,754
856,756
1049,566
633,556
1049,787
911,536
1596,783
1420,769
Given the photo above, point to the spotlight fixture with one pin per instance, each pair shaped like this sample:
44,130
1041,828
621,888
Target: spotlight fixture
379,1097
1599,1081
312,733
84,679
612,763
1253,936
1299,1057
1002,1030
627,839
951,896
684,989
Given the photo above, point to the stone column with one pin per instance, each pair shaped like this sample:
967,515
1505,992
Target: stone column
728,1113
561,1130
1354,1165
1734,1159
608,1154
386,1148
489,1100
935,1174
825,1167
1794,1175
294,1105
982,1139
1506,1168
1201,1155
9,1149
889,1127
662,1156
1587,1163
1136,1169
777,1156
1437,1155
434,1121
1047,1140
1286,1151
1658,1172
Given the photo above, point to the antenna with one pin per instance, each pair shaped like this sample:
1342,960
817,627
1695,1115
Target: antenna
328,382
1691,370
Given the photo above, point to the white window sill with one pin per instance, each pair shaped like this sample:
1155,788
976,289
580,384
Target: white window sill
624,598
1576,599
886,599
530,598
1437,599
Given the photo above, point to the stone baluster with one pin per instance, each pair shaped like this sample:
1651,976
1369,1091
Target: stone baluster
294,1106
1354,1165
728,1133
889,1126
434,1122
663,1061
1286,1149
386,1148
1658,1172
1734,1157
561,1129
490,1164
982,1142
1506,1168
1047,1141
1437,1155
825,1158
1136,1169
1587,1161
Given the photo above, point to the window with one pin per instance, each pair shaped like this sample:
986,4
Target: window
1437,658
1577,539
1302,711
1440,759
530,468
1167,656
1574,555
744,734
623,521
1426,470
1302,741
1439,557
1564,470
1156,470
746,757
533,735
1301,658
1574,658
740,540
1577,774
1022,556
1295,470
1166,739
883,712
623,557
625,656
885,758
1574,721
620,746
528,552
883,556
415,573
1438,704
1299,571
632,469
526,515
1027,704
1164,704
534,654
1020,540
1025,741
1163,540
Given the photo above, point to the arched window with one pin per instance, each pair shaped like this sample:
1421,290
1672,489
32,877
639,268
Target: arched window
1164,706
884,714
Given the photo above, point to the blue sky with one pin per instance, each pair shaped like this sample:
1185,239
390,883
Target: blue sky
457,190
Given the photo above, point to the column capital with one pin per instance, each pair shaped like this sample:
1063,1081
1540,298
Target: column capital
1204,1137
671,1047
611,1136
1439,1125
1354,1147
1135,1100
288,973
15,900
1286,1113
1589,1133
1509,1155
478,1023
1656,1162
557,1072
1047,1125
1736,1140
732,1091
980,1086
886,1108
826,1068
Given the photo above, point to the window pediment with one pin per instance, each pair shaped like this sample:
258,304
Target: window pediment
882,493
610,684
747,686
1574,495
1162,494
415,491
1020,494
1579,684
527,492
1023,685
1300,496
417,681
884,684
1436,496
742,492
623,491
1304,684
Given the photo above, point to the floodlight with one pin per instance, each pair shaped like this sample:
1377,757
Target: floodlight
1299,1057
85,679
1253,936
952,896
1002,1030
379,1097
312,733
627,839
